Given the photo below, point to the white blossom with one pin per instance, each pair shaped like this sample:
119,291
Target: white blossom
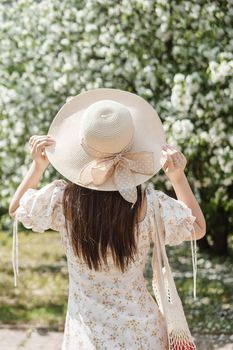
64,49
178,78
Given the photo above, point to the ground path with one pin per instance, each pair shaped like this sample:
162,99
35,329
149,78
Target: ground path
40,339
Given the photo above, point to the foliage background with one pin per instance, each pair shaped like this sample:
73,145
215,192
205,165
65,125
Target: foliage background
175,54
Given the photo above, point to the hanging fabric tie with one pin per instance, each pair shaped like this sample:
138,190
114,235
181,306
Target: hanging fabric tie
15,250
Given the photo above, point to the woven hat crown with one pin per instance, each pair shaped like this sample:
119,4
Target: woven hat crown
107,126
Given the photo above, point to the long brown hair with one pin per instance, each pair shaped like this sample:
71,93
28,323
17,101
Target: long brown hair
98,220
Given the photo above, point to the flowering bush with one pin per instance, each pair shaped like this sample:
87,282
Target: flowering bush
177,55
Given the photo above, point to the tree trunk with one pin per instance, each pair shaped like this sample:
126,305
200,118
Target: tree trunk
204,245
219,232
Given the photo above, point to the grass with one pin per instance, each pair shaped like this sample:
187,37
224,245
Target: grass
211,312
41,297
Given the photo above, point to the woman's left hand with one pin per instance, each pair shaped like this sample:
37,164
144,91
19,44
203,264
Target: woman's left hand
174,164
37,144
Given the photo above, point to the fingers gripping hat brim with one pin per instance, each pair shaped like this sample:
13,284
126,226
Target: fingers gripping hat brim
68,156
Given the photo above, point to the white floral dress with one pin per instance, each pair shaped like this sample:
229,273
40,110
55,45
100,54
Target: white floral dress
108,309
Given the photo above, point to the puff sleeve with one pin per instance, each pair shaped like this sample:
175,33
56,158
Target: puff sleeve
177,218
39,210
177,221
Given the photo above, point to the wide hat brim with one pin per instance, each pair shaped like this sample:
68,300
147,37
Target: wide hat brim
67,155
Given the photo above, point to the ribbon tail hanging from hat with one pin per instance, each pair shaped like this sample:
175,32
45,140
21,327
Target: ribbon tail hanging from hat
140,162
124,181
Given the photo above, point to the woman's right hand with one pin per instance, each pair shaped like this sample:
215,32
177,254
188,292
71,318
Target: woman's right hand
37,144
175,163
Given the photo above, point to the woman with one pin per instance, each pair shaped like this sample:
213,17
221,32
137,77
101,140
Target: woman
107,143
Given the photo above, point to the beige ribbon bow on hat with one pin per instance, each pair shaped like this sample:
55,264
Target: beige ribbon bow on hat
120,165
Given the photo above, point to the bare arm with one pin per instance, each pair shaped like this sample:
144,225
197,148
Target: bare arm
184,193
174,169
31,180
35,172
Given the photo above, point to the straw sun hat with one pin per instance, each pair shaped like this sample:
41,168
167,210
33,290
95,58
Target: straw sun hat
107,140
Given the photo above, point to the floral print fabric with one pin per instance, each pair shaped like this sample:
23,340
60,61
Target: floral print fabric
176,216
41,209
108,309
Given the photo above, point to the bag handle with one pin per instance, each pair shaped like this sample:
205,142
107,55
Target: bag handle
179,336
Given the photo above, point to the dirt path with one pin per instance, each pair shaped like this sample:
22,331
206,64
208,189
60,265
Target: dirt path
36,339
